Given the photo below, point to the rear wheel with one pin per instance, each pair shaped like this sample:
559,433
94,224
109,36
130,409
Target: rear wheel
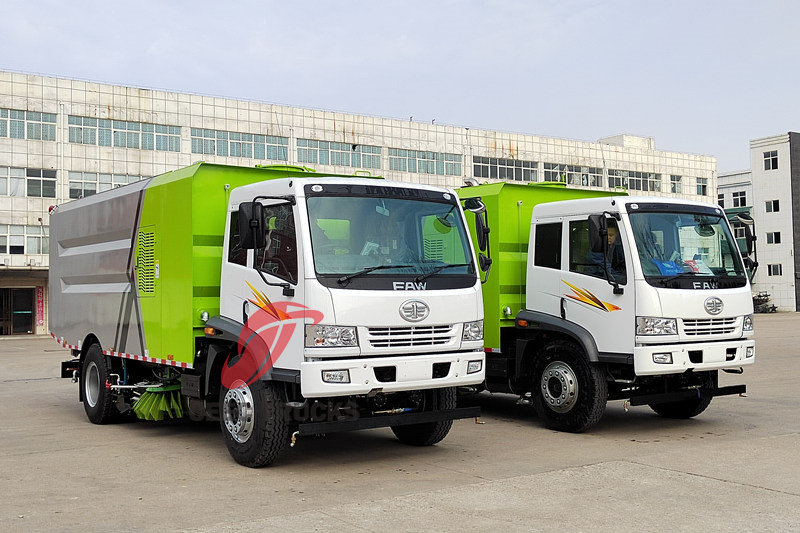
253,422
569,392
97,399
429,433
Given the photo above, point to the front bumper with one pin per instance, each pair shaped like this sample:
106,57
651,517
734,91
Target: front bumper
411,372
697,356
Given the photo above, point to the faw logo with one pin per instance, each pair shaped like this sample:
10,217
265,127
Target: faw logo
409,285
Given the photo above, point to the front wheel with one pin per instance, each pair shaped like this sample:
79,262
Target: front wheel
253,422
429,433
688,408
97,399
569,392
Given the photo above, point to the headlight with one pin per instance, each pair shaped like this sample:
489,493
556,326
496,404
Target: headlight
319,336
747,323
473,331
648,325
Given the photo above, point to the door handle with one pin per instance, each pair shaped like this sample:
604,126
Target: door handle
563,308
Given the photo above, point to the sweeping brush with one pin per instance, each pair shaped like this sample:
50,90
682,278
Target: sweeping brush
156,402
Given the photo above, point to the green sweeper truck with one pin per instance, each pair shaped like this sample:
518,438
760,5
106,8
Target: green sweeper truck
593,295
277,300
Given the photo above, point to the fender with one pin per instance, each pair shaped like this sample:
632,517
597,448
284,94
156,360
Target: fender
543,322
228,332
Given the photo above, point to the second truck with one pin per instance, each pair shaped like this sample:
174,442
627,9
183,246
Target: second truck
595,296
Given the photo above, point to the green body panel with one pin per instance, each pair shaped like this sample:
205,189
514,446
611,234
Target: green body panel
509,207
186,212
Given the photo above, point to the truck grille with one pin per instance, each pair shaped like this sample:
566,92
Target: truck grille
709,326
410,336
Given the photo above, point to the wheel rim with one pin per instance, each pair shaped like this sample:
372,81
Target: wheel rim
92,384
559,387
237,413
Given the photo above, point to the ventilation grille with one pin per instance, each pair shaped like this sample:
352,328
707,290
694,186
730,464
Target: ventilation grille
145,262
709,326
410,336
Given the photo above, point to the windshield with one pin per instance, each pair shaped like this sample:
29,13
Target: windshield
358,240
687,250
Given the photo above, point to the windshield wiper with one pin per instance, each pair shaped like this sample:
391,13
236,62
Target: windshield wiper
367,270
438,269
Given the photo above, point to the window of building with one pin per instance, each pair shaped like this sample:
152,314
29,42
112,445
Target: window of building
773,206
124,134
771,160
721,200
739,232
236,144
12,181
702,186
41,183
675,184
775,270
83,184
548,245
774,237
340,154
19,240
424,162
739,199
639,181
574,175
27,125
503,169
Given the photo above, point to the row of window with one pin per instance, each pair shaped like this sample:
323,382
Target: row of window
236,144
88,183
504,169
19,240
124,134
423,162
41,183
339,154
32,125
740,200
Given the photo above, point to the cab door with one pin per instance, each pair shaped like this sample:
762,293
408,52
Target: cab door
586,286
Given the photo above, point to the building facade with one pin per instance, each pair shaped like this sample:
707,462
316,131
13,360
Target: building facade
770,191
61,139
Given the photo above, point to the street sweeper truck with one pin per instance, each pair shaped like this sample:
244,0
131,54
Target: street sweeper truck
595,296
276,300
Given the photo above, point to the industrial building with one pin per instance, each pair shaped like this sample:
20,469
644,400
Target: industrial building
770,193
62,139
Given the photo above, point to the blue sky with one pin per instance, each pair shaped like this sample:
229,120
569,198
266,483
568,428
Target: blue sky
698,76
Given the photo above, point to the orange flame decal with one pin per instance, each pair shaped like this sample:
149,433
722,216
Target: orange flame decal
264,303
582,295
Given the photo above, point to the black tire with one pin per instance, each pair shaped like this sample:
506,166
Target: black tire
683,409
688,408
569,392
429,433
99,404
253,422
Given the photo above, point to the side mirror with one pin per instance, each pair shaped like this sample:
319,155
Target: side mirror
474,205
482,232
598,233
251,225
485,262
